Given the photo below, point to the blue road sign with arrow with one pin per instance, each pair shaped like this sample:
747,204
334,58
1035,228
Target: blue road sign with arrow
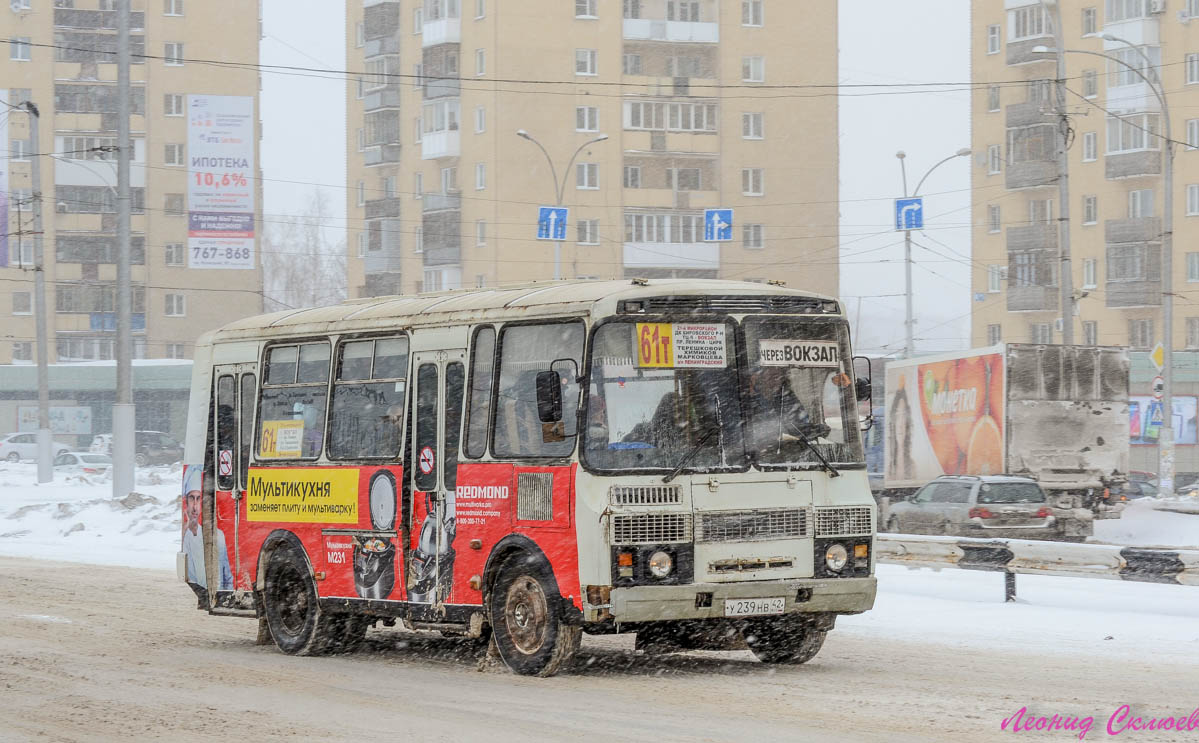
551,223
718,225
909,214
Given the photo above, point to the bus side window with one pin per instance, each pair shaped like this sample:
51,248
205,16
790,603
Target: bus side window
226,429
482,367
291,415
455,382
367,411
249,388
526,350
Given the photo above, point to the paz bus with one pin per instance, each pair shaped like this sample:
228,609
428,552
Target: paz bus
680,459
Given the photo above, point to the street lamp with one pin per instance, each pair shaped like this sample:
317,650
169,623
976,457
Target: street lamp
1166,440
909,341
559,186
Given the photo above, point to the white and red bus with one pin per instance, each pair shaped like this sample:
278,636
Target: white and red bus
680,459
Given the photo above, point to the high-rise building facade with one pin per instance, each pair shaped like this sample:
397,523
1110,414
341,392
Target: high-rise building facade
195,214
668,107
1116,128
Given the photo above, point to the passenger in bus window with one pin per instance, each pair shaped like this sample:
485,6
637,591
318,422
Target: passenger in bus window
776,411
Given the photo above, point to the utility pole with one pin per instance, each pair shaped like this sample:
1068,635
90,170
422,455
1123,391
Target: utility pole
45,454
1066,276
123,411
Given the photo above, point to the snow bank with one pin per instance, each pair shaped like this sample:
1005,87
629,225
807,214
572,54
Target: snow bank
1142,524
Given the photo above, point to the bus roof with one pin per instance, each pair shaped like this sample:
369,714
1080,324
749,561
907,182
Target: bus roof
537,299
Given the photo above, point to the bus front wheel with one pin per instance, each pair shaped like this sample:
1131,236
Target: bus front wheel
296,621
526,619
785,639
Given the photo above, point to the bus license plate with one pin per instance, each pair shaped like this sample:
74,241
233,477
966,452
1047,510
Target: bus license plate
754,607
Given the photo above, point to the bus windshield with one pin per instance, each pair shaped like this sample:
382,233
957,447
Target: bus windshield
666,394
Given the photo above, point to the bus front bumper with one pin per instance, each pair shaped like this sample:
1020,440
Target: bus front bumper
707,600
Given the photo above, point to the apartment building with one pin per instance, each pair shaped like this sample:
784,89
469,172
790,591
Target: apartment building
1116,127
638,116
60,55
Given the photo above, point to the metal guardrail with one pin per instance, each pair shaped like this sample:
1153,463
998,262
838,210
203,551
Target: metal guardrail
1031,557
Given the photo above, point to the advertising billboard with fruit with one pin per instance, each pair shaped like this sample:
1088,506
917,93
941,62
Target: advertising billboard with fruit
944,417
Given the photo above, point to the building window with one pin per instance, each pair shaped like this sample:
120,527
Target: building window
480,176
173,154
588,231
418,20
1192,68
1090,23
631,64
449,180
176,351
1090,83
480,233
389,187
1192,266
994,159
586,62
22,351
1029,22
753,69
1193,332
20,5
631,8
751,12
993,98
1090,268
1040,332
480,8
418,240
1123,10
682,10
1031,143
1029,268
994,219
363,241
172,104
1192,134
1090,333
1126,263
172,7
1140,333
1192,9
751,182
20,149
751,237
1040,211
1090,149
632,176
1192,199
175,305
751,125
480,62
360,189
993,39
585,8
418,185
586,118
174,205
22,303
20,49
480,120
360,35
172,53
995,278
1134,132
587,176
175,254
994,334
1140,203
1090,209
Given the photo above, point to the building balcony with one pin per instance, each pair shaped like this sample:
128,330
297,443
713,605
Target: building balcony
649,142
383,253
381,46
441,202
388,97
1133,293
436,145
1142,230
443,87
380,154
641,29
1032,237
1132,164
700,255
1028,114
1138,31
667,198
1129,99
1022,51
1032,298
381,208
441,31
96,19
1030,174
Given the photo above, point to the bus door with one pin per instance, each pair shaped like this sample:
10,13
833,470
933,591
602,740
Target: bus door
234,396
438,395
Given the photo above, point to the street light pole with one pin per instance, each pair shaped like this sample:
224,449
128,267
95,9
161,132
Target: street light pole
909,345
559,187
123,413
1065,272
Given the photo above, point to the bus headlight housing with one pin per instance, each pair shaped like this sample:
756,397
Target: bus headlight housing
660,564
836,557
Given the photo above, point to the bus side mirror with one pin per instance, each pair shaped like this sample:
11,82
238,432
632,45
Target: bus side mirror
863,389
549,397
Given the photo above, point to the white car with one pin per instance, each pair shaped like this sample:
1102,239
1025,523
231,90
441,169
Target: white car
82,463
17,446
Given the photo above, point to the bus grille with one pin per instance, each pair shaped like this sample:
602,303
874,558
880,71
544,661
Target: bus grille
843,522
651,528
752,526
535,496
648,495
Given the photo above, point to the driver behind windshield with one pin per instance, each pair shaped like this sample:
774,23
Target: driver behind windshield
775,411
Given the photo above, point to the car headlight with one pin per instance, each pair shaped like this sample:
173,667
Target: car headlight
835,557
660,564
383,500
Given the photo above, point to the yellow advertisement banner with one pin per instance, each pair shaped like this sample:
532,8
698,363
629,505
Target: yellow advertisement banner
655,344
282,439
311,495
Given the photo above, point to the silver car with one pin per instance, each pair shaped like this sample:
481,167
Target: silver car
990,506
17,446
82,463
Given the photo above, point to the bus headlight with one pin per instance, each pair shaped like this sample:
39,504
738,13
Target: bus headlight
835,557
660,564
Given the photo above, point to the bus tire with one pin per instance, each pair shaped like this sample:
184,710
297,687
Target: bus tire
297,624
779,640
526,618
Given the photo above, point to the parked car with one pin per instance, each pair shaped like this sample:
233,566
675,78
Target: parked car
1135,489
152,447
82,463
988,506
17,446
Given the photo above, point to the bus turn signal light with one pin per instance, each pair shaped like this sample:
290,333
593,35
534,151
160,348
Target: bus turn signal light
861,550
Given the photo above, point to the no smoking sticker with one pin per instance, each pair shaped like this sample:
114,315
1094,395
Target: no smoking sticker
426,460
225,462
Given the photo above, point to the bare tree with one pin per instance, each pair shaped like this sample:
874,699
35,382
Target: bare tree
302,266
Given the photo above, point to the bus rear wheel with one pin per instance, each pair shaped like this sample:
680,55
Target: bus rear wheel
526,619
785,639
294,616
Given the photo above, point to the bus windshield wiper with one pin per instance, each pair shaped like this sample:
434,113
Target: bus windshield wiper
832,471
690,454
